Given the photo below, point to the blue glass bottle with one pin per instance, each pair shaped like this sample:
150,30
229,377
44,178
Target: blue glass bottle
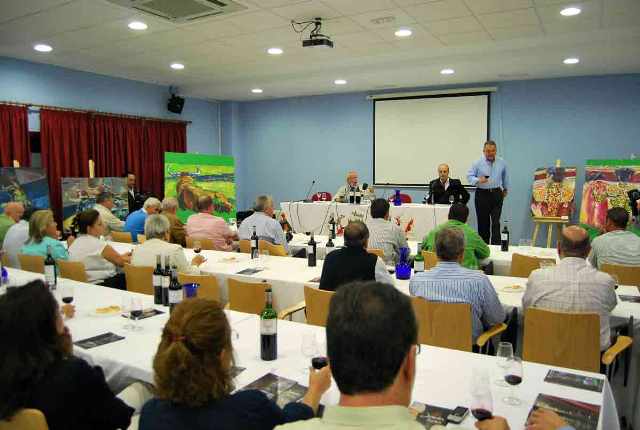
403,268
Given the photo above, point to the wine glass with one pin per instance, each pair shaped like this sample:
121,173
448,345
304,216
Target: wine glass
66,293
451,199
136,312
503,353
524,245
481,399
197,246
309,348
263,256
513,376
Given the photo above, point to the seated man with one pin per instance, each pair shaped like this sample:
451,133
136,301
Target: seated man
135,221
573,285
12,214
267,228
342,195
16,237
104,204
617,245
475,248
441,189
353,262
205,225
169,209
383,233
449,282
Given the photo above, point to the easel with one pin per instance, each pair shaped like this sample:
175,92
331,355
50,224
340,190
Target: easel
550,221
92,168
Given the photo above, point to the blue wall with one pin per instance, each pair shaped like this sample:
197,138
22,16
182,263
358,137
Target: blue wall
285,143
23,81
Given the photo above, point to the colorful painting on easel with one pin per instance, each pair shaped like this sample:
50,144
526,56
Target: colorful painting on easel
554,192
607,183
26,185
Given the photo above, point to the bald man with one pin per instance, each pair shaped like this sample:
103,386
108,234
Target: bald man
445,190
573,285
352,187
12,213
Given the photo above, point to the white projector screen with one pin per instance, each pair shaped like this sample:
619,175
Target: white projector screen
412,136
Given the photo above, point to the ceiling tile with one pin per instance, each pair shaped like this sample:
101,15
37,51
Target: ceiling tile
383,18
306,11
256,21
474,38
457,25
216,29
438,10
589,19
16,9
480,7
342,25
267,4
511,19
502,34
356,7
621,13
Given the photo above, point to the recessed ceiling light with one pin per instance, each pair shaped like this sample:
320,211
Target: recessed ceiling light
177,66
41,47
570,11
571,60
275,51
340,82
447,72
257,91
138,25
403,32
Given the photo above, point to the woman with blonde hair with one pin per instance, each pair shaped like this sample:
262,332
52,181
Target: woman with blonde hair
194,381
43,233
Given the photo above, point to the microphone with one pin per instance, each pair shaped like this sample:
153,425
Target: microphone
365,186
306,198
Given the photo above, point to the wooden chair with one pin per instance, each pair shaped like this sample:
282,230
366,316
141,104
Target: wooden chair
626,275
448,325
209,288
567,339
248,297
31,263
72,270
121,236
4,259
430,259
204,243
141,238
377,251
272,249
315,304
245,246
26,419
523,265
139,278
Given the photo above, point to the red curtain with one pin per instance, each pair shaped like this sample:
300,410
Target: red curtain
14,136
65,139
112,137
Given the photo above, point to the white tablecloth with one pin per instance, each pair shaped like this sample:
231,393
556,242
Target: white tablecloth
442,375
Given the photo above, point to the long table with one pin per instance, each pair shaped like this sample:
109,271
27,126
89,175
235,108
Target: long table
442,375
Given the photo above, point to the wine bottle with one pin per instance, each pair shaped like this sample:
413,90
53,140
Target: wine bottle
50,272
175,289
418,262
268,330
157,281
504,238
330,246
311,252
254,244
166,281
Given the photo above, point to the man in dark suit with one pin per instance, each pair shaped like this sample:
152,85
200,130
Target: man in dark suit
442,189
134,201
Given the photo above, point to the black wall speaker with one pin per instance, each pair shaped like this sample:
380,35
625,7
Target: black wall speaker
175,104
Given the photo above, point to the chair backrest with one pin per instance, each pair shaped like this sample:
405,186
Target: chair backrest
4,259
317,303
447,325
377,251
248,297
322,196
626,275
26,419
31,263
121,236
273,249
72,270
209,288
141,238
430,259
563,339
523,265
245,246
139,278
204,243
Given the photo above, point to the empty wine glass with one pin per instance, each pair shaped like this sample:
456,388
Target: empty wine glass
503,353
513,376
525,246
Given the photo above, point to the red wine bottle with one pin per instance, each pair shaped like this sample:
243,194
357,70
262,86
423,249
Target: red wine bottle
311,252
157,281
268,330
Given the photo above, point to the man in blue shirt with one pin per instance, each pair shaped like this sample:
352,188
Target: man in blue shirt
135,221
489,176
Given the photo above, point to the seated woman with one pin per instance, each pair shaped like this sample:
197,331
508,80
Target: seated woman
43,234
193,379
99,258
157,229
38,370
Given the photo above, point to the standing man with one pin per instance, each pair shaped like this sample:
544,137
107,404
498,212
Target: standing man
489,175
443,188
342,195
131,193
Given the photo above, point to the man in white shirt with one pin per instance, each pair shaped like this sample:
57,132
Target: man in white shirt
385,234
104,204
617,245
342,195
16,237
267,228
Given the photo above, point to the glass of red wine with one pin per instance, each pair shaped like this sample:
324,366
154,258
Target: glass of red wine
136,312
66,293
197,246
481,398
513,376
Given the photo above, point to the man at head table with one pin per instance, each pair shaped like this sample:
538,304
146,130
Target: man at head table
443,188
342,195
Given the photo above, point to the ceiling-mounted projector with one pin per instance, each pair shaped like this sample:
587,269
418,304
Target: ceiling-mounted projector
317,42
315,39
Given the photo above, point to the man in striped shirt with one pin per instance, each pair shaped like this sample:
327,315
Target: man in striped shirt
449,282
385,234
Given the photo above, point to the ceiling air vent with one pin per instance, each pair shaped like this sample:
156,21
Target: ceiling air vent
181,11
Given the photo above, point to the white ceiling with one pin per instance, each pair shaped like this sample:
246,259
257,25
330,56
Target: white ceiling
483,40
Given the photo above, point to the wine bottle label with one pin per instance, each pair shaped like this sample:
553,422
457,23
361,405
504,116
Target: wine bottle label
50,274
269,326
166,281
504,236
310,249
157,280
418,266
175,296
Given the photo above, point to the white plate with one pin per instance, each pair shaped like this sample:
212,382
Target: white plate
512,289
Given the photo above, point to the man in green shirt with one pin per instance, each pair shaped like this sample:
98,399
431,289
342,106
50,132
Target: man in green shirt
474,247
12,214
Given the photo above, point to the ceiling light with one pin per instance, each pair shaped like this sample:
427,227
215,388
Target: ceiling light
275,51
403,32
137,25
177,66
41,47
340,82
447,72
570,11
257,91
571,61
